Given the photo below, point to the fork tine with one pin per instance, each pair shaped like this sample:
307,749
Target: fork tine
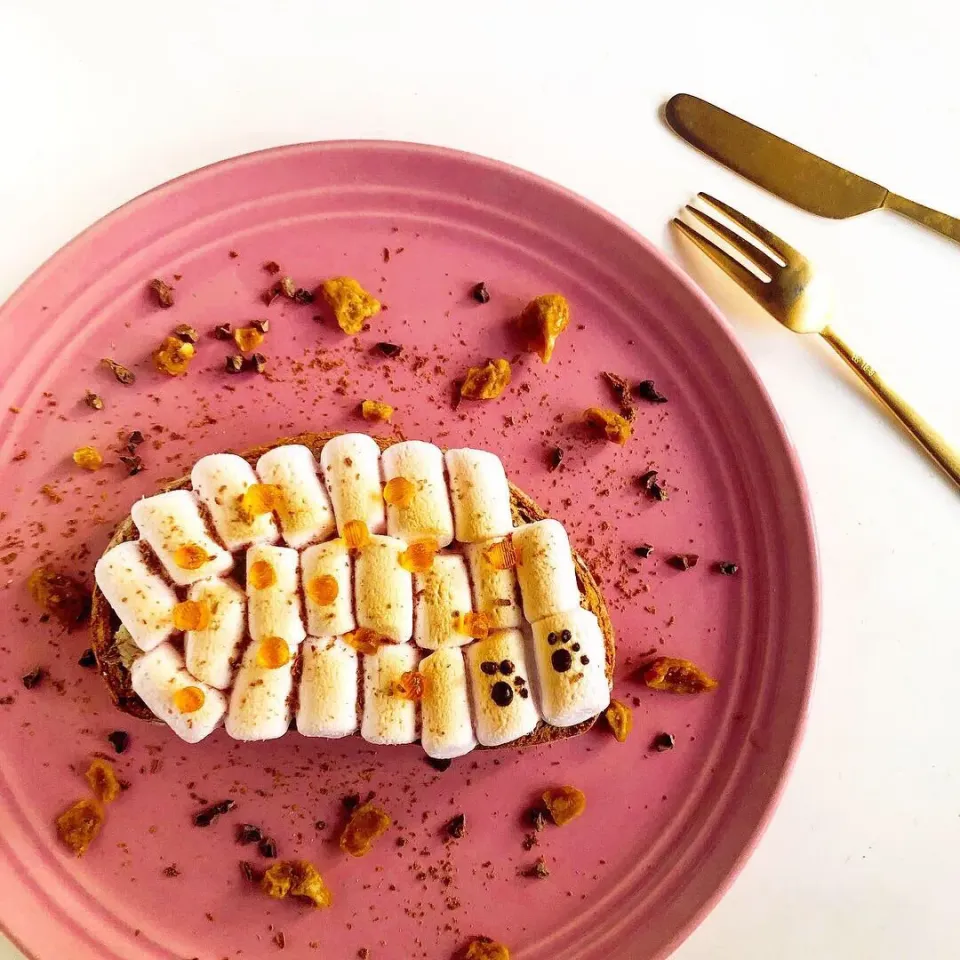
749,251
732,268
761,233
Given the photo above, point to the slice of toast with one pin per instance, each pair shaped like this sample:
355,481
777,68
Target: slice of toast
113,659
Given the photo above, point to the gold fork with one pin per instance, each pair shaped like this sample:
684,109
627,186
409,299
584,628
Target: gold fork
795,297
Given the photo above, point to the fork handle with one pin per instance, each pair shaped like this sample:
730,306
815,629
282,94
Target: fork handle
927,216
925,435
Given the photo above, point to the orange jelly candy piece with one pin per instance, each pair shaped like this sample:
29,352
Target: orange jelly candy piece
247,338
399,492
620,718
364,640
411,686
501,555
564,804
103,781
78,826
323,590
483,948
365,825
65,598
543,320
473,624
189,699
418,557
261,575
88,457
350,303
173,356
376,411
295,878
611,425
191,556
356,534
191,615
486,382
260,498
677,676
273,652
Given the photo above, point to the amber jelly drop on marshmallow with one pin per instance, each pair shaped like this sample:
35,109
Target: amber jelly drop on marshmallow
356,534
399,492
323,590
189,699
261,575
418,557
273,653
191,615
191,556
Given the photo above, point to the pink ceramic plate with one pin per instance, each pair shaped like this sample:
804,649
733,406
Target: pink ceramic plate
663,832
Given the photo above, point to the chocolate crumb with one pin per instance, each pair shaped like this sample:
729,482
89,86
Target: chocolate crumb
171,871
164,292
279,939
34,678
249,871
663,741
268,848
726,568
480,293
646,390
683,561
530,841
248,833
351,802
647,480
621,391
210,814
539,870
657,492
643,551
386,254
388,349
502,694
555,458
537,817
223,331
186,333
133,464
440,765
232,254
457,827
363,953
88,658
257,363
234,363
134,439
302,295
320,825
93,401
271,266
401,841
260,324
119,371
120,740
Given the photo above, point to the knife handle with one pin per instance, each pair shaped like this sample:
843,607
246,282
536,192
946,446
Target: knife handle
928,217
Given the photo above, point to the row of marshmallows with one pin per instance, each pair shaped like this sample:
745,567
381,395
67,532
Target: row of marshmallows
372,589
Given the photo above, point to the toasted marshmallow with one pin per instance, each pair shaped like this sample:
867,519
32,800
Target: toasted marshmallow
157,676
442,596
429,514
305,512
384,590
173,520
211,653
330,559
329,688
274,610
480,495
388,717
446,730
571,666
501,712
351,469
260,700
495,592
141,598
548,581
221,480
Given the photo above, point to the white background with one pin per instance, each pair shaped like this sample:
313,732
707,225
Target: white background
102,100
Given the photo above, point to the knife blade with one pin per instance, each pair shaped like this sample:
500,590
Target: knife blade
789,171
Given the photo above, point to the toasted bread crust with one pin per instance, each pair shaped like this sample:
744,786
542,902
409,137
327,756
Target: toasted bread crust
104,623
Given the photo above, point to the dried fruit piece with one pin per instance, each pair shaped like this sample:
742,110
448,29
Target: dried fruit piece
296,878
543,320
399,492
262,324
564,804
173,356
164,292
376,411
411,686
356,534
418,557
676,675
191,615
486,382
122,374
233,363
190,556
365,825
78,826
620,718
93,401
364,640
323,590
89,458
213,813
621,390
483,948
539,870
103,780
247,338
260,498
473,624
287,287
268,848
257,363
273,652
185,332
501,555
261,575
65,598
614,427
350,303
189,699
480,293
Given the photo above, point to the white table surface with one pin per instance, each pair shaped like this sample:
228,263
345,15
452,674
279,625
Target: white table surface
102,100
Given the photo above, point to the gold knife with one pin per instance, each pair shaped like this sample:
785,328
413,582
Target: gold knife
789,171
